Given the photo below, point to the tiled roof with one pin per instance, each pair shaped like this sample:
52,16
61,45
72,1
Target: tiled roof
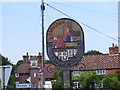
88,62
94,62
49,69
23,68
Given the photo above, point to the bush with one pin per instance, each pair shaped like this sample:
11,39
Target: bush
58,82
111,81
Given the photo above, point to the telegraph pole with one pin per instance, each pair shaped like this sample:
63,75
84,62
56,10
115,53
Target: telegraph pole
42,10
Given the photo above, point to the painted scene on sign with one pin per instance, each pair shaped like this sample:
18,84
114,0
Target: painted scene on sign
64,36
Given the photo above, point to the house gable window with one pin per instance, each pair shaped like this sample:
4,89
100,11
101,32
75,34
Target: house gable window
33,63
16,74
35,75
100,72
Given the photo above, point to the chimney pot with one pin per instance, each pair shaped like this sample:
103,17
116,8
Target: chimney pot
27,53
112,44
39,53
116,45
113,50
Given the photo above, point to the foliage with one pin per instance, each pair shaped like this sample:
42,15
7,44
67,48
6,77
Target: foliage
118,75
111,81
75,78
86,77
19,63
48,62
92,52
58,82
11,83
4,61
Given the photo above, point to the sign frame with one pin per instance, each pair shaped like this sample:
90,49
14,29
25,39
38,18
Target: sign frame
73,61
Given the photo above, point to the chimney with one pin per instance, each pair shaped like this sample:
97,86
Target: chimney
113,50
26,58
39,57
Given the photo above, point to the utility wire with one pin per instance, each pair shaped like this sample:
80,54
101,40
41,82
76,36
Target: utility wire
82,22
58,10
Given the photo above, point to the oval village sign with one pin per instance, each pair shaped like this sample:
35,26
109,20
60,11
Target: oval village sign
65,43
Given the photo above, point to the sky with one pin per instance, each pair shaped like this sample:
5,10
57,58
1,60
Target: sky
21,32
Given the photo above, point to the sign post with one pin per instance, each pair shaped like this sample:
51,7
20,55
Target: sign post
65,46
42,12
66,79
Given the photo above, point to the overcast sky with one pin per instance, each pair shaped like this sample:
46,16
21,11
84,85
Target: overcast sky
20,25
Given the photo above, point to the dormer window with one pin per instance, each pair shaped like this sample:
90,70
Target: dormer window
33,63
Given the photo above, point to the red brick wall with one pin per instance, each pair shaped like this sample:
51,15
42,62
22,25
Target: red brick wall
34,80
113,71
22,78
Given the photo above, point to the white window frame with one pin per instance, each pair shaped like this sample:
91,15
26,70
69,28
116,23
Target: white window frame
33,61
35,74
16,74
76,73
100,72
17,82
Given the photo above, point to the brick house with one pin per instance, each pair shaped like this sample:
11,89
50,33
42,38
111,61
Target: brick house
103,64
27,73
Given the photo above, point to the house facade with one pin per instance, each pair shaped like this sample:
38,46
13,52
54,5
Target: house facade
29,73
103,64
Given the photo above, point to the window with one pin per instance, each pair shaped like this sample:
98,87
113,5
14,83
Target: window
100,84
34,74
16,74
64,53
76,72
33,63
17,82
100,72
55,38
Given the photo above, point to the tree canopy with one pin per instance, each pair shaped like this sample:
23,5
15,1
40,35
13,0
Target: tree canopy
58,83
93,52
4,61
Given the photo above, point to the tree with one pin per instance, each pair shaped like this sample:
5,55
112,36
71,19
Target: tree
111,81
58,82
11,83
86,77
48,62
4,61
19,63
92,52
